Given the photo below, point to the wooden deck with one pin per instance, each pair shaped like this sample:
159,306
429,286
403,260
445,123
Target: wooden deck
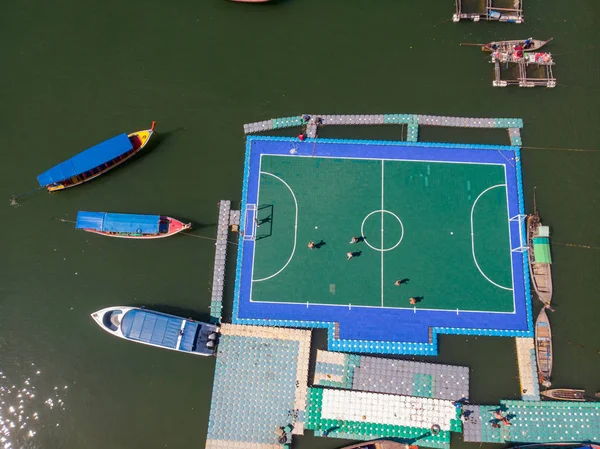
522,73
494,10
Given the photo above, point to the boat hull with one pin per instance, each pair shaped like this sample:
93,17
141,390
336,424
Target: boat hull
556,445
543,348
175,227
541,273
140,140
564,394
380,444
509,45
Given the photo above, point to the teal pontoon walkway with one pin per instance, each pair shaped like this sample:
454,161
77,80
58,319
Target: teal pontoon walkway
533,422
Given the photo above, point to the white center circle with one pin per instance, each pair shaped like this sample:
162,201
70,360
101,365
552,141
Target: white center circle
382,211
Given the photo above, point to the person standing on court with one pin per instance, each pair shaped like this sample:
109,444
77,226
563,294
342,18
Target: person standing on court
311,245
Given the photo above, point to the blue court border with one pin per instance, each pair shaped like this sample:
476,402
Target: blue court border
363,329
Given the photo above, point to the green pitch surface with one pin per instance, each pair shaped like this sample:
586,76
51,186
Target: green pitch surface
416,219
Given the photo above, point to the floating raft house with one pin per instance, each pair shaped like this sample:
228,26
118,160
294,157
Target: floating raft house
495,10
534,69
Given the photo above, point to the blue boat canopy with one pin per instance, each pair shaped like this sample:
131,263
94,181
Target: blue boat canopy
111,222
86,160
152,327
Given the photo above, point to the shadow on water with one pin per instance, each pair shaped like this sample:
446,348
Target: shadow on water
162,137
177,311
155,145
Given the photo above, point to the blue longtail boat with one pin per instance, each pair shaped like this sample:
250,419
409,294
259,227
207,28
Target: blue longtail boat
129,226
95,161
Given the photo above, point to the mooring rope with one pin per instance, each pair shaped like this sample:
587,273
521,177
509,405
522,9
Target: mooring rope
13,199
64,220
579,150
206,238
575,245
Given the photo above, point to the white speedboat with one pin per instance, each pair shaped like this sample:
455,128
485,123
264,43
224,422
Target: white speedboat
159,329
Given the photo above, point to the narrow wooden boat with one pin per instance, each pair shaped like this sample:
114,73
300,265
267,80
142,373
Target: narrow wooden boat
564,394
129,226
534,45
159,329
557,445
543,348
380,444
540,260
95,161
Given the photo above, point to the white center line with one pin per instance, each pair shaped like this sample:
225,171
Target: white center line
382,209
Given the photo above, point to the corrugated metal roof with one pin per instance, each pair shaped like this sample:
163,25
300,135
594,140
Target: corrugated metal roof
189,336
541,250
112,222
151,327
544,231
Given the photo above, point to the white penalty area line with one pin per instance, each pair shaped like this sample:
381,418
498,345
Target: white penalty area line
473,238
295,228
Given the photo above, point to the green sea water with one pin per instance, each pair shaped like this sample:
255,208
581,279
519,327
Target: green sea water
76,73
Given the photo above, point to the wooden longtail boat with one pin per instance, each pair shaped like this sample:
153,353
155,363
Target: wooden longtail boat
543,348
535,45
95,161
540,260
159,329
129,226
564,394
557,445
380,444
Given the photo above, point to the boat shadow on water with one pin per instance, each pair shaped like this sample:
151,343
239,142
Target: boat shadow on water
162,137
177,311
156,144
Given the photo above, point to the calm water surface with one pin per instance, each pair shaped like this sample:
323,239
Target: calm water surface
77,72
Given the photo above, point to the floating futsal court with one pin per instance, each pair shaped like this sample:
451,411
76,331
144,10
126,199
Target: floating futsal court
443,221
